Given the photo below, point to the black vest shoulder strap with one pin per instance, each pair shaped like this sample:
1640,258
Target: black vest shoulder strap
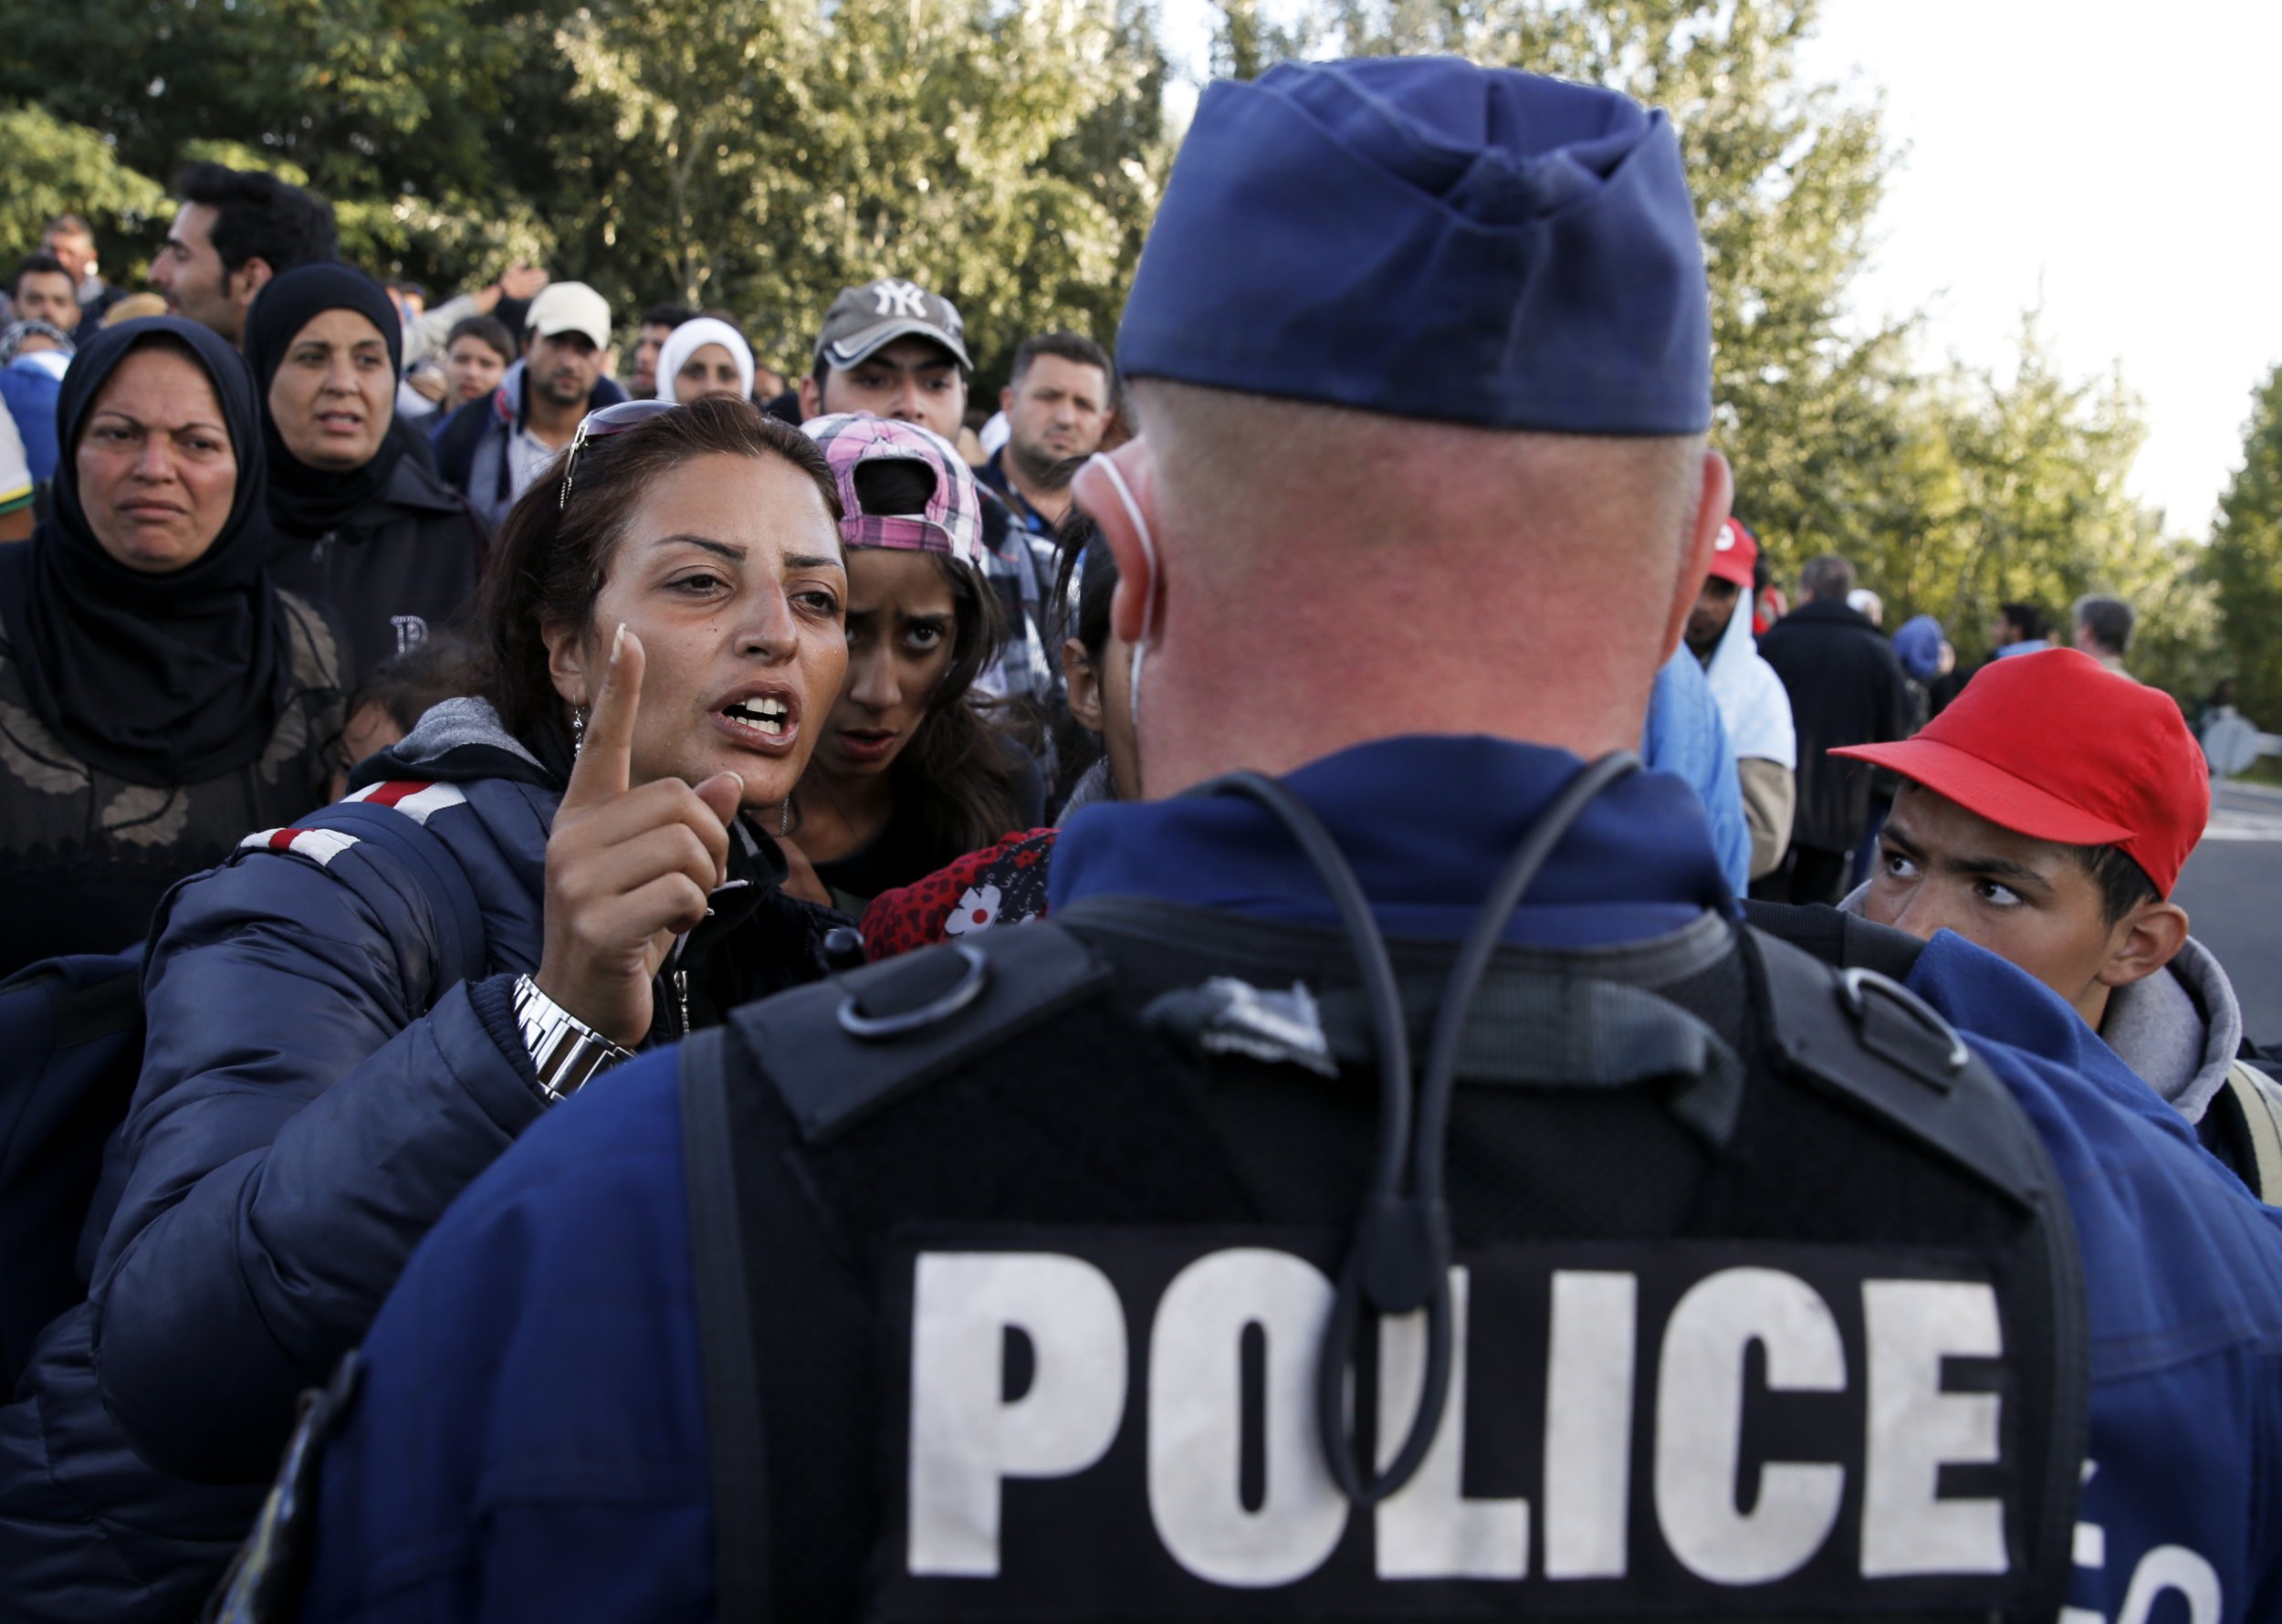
1867,1036
1837,937
841,1049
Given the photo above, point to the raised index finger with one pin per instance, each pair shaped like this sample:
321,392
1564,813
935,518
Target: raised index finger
605,760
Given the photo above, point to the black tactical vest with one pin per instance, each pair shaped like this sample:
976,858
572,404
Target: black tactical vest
1014,1261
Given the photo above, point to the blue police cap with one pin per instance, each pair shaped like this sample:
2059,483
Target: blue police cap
1422,238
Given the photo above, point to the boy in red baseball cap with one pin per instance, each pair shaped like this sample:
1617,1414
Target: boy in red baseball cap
2046,815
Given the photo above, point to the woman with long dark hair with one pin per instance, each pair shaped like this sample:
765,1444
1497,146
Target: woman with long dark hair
1006,884
912,770
159,696
353,1018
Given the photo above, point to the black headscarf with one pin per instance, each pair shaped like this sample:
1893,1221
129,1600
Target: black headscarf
162,679
306,501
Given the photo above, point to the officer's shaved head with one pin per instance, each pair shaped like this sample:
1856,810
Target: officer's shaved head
1245,468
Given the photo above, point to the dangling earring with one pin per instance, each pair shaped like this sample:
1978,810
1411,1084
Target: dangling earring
784,817
578,731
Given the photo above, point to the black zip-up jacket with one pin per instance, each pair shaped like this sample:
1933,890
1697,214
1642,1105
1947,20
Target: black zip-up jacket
400,566
1846,687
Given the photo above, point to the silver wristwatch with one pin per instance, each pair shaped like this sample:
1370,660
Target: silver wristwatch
567,1051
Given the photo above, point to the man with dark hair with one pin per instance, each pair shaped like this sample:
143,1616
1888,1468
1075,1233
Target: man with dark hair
1845,688
35,348
2103,629
1753,706
2046,815
896,350
491,449
1059,402
236,229
657,322
71,240
1828,576
43,290
2019,629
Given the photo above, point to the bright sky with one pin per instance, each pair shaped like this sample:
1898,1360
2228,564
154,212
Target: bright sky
2114,157
2110,162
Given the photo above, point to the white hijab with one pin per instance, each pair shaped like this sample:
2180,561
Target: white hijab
689,337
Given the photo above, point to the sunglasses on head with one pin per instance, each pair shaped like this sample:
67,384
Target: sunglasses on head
600,426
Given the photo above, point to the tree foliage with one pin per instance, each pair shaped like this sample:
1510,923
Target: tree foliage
735,153
2242,565
2010,486
762,159
758,156
54,167
1952,490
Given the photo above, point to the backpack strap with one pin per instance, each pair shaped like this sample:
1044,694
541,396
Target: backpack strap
839,1049
1865,1035
1836,937
459,917
725,1337
2253,1094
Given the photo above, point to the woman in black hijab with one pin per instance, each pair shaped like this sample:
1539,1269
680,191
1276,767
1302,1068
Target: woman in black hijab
159,697
363,522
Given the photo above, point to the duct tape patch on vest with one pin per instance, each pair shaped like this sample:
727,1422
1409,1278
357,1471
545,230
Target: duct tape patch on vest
1088,1422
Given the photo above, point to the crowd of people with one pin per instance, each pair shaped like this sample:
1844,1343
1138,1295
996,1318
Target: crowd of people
413,721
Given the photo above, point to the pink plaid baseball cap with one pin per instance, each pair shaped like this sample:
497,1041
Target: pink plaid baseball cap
950,521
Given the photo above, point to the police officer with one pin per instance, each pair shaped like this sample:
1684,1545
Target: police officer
1292,1224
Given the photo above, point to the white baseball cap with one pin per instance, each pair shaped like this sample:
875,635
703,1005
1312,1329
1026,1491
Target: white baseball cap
571,307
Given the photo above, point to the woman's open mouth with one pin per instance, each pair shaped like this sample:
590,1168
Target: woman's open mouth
760,722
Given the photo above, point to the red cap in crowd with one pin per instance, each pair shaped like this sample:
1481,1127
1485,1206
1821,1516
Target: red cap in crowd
2057,747
1735,555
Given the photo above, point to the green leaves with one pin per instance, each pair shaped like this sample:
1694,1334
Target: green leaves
1952,490
2242,565
758,155
54,167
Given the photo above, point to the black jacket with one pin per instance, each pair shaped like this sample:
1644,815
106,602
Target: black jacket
403,564
1846,687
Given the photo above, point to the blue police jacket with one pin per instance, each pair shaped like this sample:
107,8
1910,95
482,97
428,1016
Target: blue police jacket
531,1440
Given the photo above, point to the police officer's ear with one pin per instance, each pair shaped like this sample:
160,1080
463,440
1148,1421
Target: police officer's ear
1714,491
1127,521
2143,942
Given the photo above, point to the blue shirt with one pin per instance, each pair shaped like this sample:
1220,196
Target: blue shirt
531,1440
1685,738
